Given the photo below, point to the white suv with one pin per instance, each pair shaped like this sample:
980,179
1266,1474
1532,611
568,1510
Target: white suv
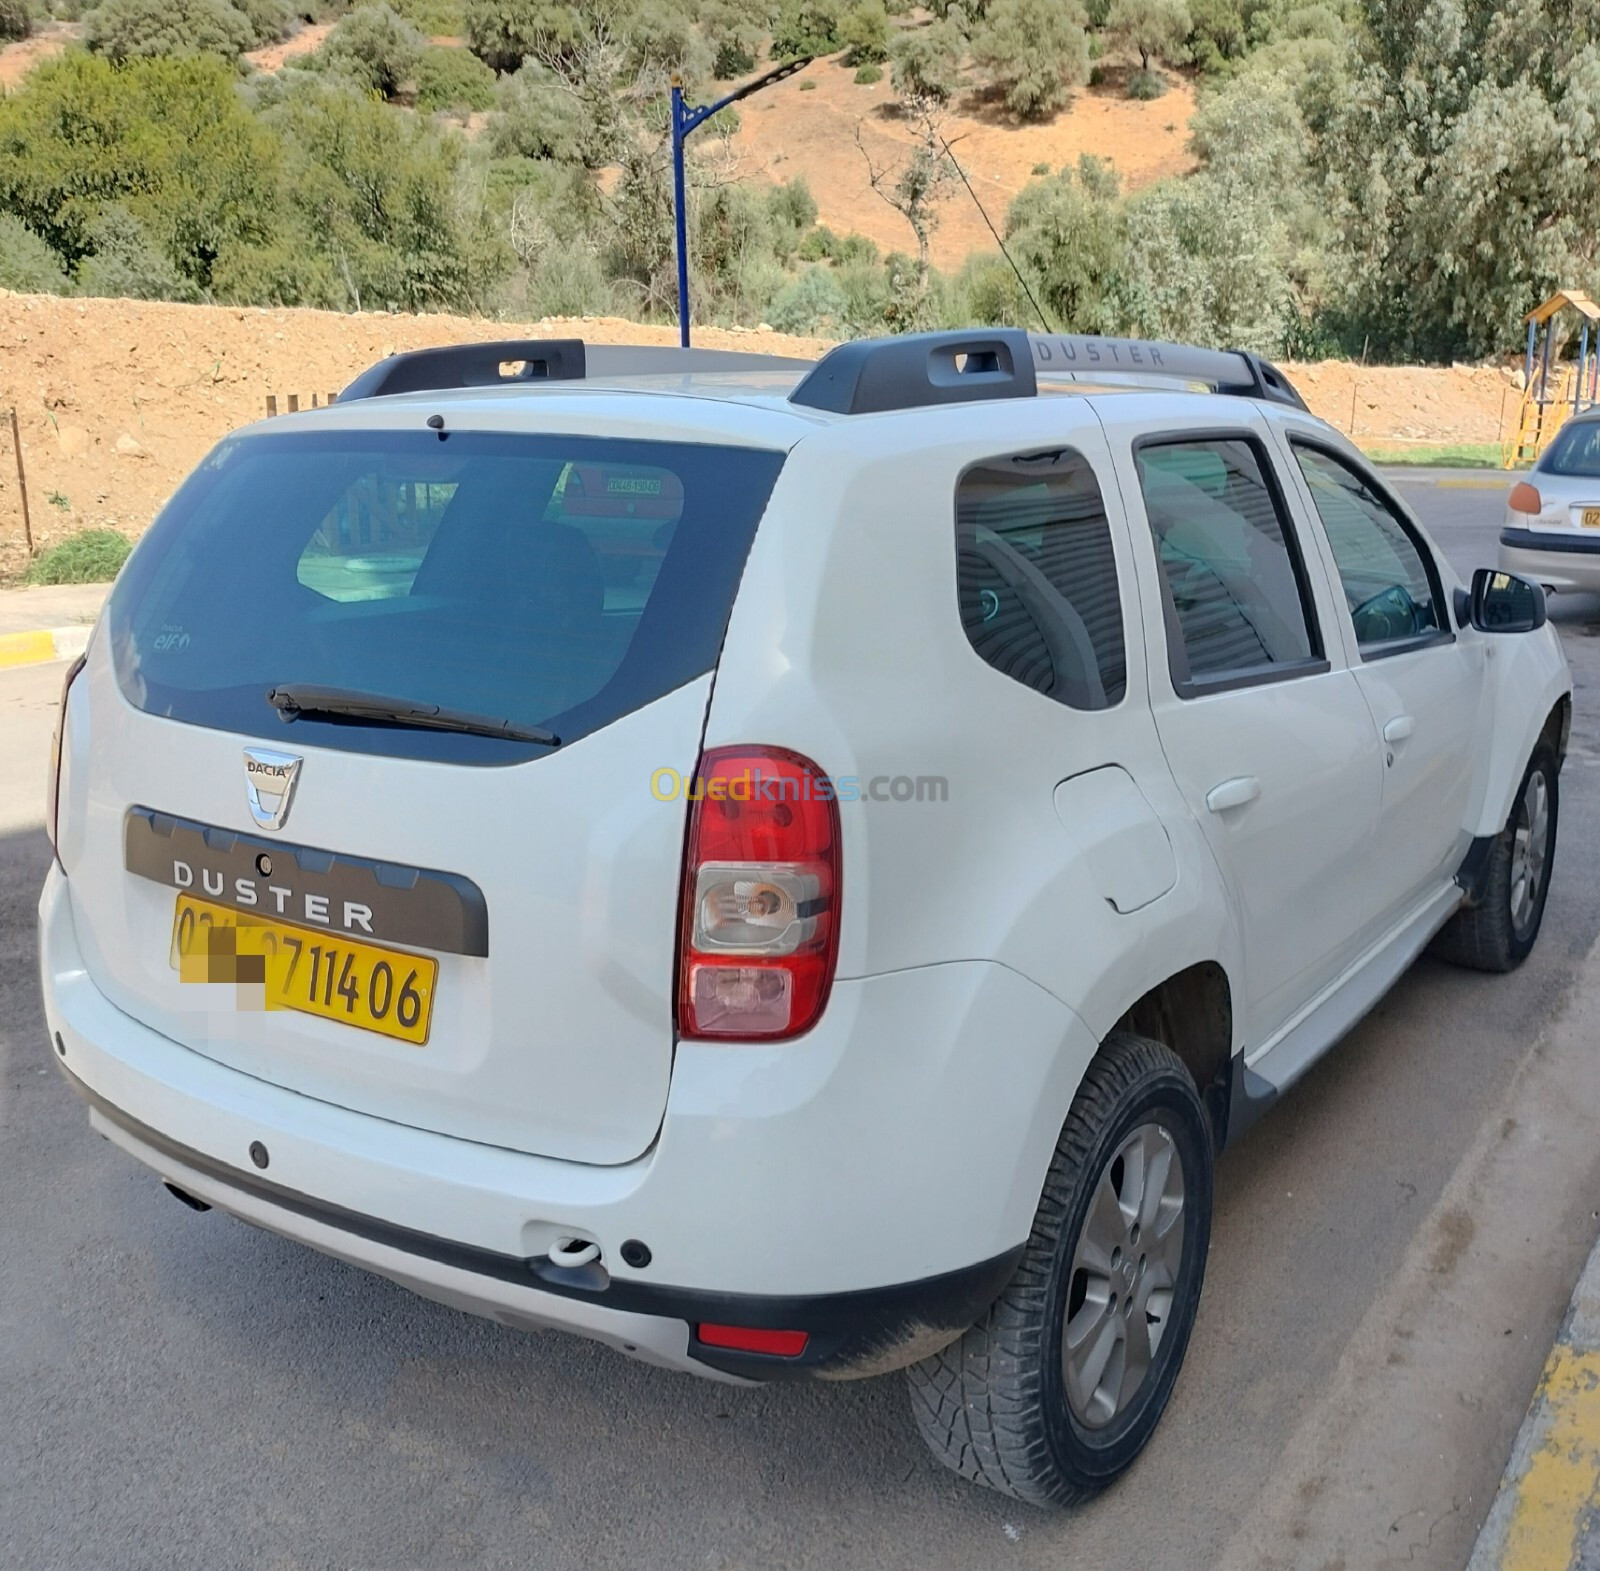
787,870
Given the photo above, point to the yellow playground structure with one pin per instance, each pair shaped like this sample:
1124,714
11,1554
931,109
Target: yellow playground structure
1554,388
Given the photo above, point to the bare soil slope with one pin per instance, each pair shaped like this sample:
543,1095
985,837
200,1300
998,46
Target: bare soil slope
790,130
17,60
119,399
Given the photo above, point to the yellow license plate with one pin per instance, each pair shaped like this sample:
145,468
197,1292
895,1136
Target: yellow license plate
1591,518
318,973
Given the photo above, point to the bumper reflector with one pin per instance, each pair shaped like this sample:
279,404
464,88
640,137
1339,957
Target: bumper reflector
748,1339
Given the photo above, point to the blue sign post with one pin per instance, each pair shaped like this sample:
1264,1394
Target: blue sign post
685,120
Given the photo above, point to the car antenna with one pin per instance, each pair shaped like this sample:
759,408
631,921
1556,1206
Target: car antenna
1038,310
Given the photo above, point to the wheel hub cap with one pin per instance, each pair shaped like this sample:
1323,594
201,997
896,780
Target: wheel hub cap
1124,1271
1530,849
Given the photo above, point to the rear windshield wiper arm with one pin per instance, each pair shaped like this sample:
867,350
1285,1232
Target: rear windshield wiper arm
298,699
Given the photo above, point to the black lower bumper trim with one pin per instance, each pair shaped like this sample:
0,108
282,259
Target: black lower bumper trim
1533,540
863,1332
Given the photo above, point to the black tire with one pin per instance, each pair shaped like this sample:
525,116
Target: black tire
1489,936
994,1406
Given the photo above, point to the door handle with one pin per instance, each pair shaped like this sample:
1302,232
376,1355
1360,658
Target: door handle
1233,793
1399,729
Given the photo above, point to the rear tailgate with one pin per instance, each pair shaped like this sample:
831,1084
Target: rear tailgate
468,933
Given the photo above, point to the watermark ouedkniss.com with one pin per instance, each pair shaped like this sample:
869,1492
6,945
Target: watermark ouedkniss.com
668,785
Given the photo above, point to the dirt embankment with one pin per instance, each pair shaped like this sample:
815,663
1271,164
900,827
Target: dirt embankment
118,400
808,126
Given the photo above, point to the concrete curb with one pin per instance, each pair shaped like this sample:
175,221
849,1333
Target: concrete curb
42,645
1546,1516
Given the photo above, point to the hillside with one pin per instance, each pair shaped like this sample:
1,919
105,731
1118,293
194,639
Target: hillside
119,399
806,127
790,130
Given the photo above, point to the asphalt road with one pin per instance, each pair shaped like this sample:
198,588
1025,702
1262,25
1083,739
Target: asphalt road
179,1391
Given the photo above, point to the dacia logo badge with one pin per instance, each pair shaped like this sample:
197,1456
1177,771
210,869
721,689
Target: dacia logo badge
269,784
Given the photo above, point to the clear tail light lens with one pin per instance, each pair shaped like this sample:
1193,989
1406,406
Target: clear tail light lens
760,896
52,801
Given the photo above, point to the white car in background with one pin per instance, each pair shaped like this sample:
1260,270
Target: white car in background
787,870
1552,530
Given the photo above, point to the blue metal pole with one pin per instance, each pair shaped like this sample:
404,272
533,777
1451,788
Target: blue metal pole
1583,366
680,215
1527,374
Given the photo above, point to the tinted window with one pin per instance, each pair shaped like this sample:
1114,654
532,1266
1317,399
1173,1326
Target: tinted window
1387,585
558,582
1037,580
1574,450
1236,594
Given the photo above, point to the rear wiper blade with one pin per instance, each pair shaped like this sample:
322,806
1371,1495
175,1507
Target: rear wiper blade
298,699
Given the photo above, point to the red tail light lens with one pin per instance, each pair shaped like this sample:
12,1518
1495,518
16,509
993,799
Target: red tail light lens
748,1339
760,896
52,803
1524,498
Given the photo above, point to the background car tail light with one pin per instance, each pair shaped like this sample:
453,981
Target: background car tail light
1524,498
52,801
760,896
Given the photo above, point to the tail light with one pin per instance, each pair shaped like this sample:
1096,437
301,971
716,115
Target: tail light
1525,498
52,800
760,896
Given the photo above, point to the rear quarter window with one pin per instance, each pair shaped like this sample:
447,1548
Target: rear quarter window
555,582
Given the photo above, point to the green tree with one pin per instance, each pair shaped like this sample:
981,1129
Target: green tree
16,20
806,27
377,48
812,304
170,140
133,29
1205,264
504,33
127,264
925,62
864,33
1033,52
538,117
27,265
660,37
269,20
1218,34
734,32
1067,234
1463,170
378,201
1151,28
453,79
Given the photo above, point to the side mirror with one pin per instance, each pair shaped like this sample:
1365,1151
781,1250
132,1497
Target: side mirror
1502,603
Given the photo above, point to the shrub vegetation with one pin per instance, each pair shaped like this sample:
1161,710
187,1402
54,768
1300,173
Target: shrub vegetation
1402,176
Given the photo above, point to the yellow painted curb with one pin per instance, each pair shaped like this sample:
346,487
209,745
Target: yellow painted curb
27,648
1562,1480
1472,485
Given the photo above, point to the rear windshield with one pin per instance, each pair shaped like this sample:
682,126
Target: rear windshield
554,582
1575,450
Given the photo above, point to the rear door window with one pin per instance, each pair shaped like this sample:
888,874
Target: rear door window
553,582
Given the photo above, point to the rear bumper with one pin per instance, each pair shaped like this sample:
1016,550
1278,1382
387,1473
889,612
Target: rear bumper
1556,561
876,1199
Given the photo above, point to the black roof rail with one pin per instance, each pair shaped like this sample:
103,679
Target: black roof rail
922,369
1233,371
471,365
513,361
874,374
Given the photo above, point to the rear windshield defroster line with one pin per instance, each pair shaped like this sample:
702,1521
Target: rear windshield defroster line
553,583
